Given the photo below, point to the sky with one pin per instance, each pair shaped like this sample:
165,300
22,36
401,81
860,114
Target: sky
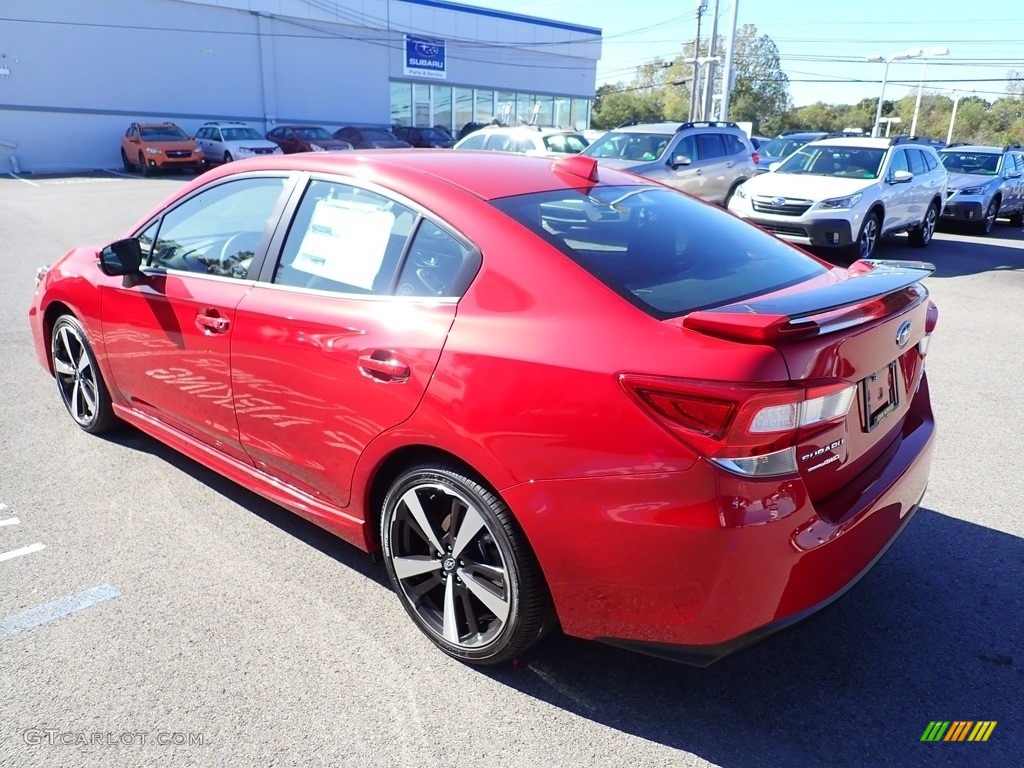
818,40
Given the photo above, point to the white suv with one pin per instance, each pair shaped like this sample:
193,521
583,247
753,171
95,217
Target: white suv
525,139
848,192
224,142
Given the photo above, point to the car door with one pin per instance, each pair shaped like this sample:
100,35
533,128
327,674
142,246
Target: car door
896,197
329,349
687,178
714,164
168,334
923,188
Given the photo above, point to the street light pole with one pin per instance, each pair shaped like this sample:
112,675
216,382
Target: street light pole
952,118
920,84
702,5
876,129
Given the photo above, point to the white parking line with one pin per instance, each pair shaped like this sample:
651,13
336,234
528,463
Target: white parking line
9,520
16,176
41,614
23,551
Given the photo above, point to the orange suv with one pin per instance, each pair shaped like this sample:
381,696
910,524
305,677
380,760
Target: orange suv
152,147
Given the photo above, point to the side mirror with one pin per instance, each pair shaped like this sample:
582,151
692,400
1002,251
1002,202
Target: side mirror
901,177
775,166
1013,174
679,160
133,139
123,257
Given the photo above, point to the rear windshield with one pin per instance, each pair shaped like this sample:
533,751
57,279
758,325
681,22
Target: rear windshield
664,252
834,160
630,146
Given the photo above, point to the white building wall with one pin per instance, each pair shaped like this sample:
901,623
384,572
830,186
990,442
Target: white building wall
81,72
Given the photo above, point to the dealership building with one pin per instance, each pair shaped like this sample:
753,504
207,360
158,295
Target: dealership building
75,75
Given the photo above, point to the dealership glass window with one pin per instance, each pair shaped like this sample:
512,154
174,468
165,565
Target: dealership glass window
580,118
543,111
524,107
420,104
401,103
463,107
561,115
505,107
484,106
442,105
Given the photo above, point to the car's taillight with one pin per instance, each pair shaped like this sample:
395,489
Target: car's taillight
756,157
747,429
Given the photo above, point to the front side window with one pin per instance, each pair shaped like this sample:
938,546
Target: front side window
835,160
917,164
219,230
899,162
344,239
710,146
473,141
667,254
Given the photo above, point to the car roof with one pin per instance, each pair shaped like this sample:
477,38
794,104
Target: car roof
802,135
157,125
855,141
974,148
487,175
667,126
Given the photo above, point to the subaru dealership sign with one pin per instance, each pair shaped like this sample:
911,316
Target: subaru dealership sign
424,57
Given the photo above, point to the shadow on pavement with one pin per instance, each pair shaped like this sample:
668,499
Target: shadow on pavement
934,631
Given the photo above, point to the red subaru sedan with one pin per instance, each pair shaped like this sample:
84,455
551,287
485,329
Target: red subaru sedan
550,395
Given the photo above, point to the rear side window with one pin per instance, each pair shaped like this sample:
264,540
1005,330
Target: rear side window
917,164
710,146
660,250
733,145
476,141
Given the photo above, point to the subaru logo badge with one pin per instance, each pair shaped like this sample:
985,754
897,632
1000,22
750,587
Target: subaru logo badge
903,335
776,201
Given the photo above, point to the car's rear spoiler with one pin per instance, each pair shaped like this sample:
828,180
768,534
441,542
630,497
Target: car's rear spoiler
872,289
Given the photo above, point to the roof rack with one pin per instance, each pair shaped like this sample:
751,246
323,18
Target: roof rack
957,144
801,130
626,124
1008,147
911,140
706,124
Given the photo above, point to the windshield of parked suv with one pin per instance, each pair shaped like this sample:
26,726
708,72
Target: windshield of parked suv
371,134
979,163
833,160
314,134
240,134
430,134
630,146
659,249
164,133
782,146
568,143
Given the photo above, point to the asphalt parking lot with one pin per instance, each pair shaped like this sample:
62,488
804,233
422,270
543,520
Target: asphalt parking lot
218,629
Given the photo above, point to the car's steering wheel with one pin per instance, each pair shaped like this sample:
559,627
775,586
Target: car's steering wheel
235,245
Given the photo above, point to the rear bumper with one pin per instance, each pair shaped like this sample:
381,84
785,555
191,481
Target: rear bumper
696,565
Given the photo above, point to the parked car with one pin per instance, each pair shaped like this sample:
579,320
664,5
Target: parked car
847,193
783,146
655,429
305,138
525,139
370,137
758,141
152,147
985,184
706,159
419,136
445,131
469,128
223,142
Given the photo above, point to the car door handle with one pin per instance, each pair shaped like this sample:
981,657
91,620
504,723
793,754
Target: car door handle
730,164
698,172
210,324
381,366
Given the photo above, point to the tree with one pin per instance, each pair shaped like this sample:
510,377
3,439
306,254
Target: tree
761,91
619,103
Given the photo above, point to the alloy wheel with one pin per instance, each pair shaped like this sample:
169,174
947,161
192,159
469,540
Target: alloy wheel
76,375
449,566
868,237
990,217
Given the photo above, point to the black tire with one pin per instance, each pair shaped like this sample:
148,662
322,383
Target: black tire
477,592
867,238
922,234
1017,219
79,380
143,168
985,226
227,157
125,163
732,191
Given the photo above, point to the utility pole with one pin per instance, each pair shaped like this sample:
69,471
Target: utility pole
702,5
727,72
709,78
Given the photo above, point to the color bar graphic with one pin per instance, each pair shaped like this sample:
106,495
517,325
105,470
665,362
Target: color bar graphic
959,730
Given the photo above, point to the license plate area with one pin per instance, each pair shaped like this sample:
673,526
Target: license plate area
879,396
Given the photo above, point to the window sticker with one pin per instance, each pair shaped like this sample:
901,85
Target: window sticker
345,242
